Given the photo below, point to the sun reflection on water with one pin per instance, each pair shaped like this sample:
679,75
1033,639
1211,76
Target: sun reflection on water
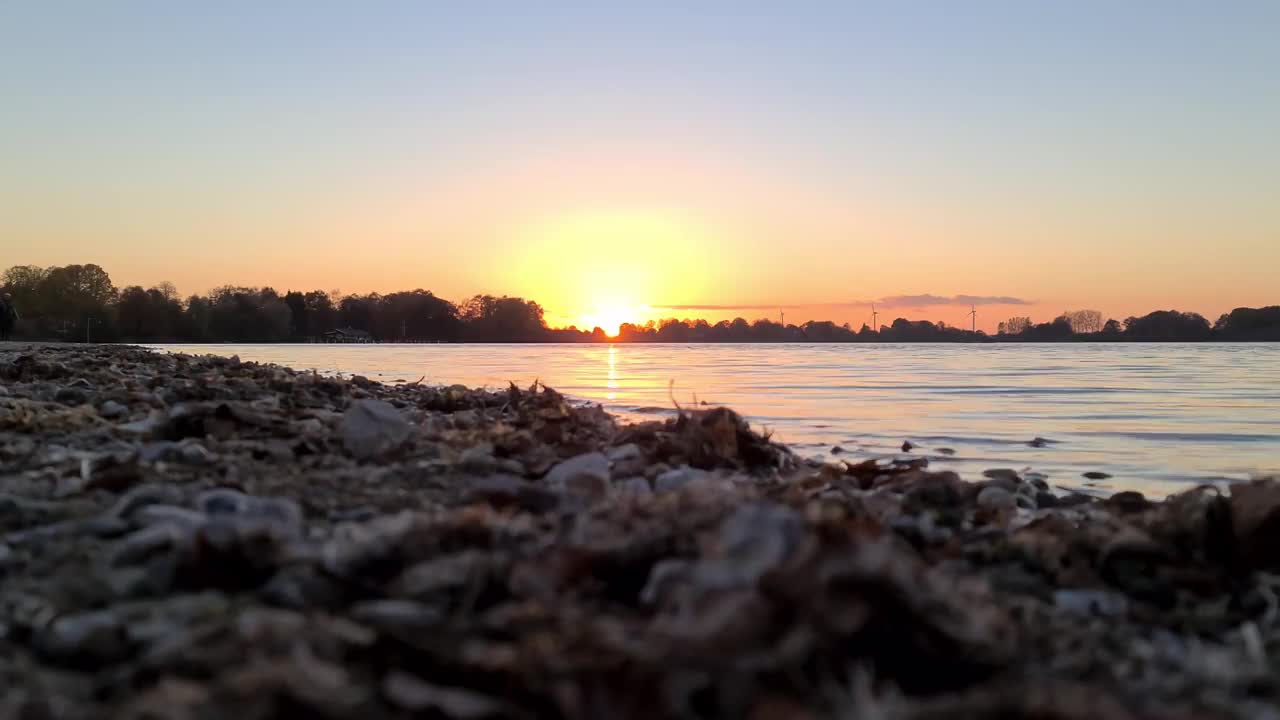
612,383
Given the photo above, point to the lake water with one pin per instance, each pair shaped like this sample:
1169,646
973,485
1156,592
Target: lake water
1158,417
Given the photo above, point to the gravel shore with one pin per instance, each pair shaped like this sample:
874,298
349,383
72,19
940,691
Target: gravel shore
184,538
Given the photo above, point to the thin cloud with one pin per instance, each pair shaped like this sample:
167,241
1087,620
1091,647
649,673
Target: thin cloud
922,301
721,307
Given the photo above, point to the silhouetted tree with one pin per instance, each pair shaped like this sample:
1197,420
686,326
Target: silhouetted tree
197,318
1058,330
502,319
243,314
673,330
64,302
1165,325
826,331
356,312
764,330
1250,324
416,315
1014,326
154,314
1084,321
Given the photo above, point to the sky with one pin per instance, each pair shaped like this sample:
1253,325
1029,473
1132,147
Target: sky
639,160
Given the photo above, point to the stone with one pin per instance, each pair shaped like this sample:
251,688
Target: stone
221,501
356,514
1128,501
504,491
154,452
629,451
996,498
664,577
429,579
302,588
1131,560
228,502
70,396
587,488
510,466
106,526
758,538
1002,482
1095,475
1076,499
88,640
1092,602
309,426
396,616
373,428
626,460
586,470
410,693
1005,474
677,478
112,410
936,491
478,460
193,453
634,486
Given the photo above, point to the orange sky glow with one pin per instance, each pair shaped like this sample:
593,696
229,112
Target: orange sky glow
635,163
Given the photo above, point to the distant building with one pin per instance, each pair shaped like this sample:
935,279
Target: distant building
347,335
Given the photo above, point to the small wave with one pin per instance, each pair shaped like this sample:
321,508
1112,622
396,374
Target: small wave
950,439
650,409
1206,437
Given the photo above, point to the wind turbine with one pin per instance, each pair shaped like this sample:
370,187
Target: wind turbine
973,313
875,327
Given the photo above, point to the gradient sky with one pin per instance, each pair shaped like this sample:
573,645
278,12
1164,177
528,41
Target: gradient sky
1119,156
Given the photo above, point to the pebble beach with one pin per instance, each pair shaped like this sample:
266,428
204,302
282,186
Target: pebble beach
189,537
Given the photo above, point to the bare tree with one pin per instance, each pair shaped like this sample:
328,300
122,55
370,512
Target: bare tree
1014,326
1084,321
168,291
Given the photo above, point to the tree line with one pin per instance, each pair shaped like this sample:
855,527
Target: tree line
81,303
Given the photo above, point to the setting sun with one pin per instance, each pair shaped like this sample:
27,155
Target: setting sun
602,267
609,316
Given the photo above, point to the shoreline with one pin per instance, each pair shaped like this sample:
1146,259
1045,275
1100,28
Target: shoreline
200,535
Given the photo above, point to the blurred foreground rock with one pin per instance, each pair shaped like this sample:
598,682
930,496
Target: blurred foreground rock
189,538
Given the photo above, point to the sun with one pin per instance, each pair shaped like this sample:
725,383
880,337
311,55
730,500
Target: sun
609,317
602,267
